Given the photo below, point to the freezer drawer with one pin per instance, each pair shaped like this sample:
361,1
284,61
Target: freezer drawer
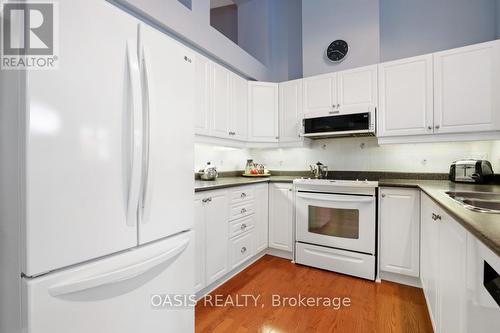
115,294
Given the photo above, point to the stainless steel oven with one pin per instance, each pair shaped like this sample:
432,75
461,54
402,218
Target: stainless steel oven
335,225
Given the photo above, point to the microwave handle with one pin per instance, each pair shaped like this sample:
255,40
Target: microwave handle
335,198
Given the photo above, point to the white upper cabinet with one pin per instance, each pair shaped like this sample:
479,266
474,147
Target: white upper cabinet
406,97
290,111
220,101
348,91
238,123
400,231
357,89
320,94
202,95
263,115
466,89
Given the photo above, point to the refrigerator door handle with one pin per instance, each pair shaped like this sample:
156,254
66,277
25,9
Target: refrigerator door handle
121,274
136,146
148,102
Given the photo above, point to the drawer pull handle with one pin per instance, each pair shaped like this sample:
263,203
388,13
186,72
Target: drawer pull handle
243,249
243,195
243,226
243,210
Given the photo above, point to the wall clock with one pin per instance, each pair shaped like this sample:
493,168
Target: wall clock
337,50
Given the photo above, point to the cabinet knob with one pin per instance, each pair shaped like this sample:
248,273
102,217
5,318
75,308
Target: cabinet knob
243,195
277,138
436,127
243,226
243,210
429,127
243,249
383,195
338,105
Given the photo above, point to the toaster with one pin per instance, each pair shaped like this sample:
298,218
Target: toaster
471,171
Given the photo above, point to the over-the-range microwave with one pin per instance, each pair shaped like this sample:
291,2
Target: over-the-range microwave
340,124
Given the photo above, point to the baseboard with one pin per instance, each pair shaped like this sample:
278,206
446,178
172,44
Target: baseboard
279,253
208,289
401,279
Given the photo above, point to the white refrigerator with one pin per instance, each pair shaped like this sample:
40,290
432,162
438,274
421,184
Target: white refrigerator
96,180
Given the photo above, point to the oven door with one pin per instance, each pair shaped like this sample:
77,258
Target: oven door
336,220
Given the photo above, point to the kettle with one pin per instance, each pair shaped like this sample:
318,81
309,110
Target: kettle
319,170
209,172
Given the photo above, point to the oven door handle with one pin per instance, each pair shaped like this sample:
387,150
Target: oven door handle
336,198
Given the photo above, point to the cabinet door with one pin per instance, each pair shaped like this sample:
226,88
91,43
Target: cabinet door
216,231
357,89
220,101
467,81
263,112
400,231
406,97
239,105
452,275
199,231
261,217
290,106
76,188
280,216
202,95
169,95
320,94
429,256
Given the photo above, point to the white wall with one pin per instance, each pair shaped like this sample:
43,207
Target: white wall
409,28
194,27
323,21
349,155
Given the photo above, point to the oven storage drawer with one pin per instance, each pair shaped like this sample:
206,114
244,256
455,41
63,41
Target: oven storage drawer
346,262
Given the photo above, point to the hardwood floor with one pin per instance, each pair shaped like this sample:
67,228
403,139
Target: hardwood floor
374,307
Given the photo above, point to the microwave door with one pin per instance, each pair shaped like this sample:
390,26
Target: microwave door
338,124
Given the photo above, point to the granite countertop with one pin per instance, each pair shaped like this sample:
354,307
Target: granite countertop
485,226
223,182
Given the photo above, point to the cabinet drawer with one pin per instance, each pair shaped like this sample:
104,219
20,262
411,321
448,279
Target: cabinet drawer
242,194
346,262
240,226
241,248
241,210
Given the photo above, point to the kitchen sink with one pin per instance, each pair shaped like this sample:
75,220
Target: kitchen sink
484,202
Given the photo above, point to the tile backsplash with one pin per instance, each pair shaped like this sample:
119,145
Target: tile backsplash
360,154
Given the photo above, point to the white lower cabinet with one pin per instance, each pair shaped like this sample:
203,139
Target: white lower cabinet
242,248
231,227
261,219
400,231
281,216
216,233
444,249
